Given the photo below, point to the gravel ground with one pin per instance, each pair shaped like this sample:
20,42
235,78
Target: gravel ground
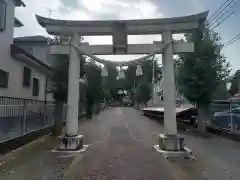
121,141
39,164
126,151
217,158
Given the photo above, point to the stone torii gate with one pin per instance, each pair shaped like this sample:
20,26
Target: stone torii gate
119,29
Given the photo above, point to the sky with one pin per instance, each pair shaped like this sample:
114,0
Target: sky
127,9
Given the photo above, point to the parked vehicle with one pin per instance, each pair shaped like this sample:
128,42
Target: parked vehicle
127,101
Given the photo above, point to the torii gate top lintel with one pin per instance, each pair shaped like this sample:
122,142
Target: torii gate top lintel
131,27
119,29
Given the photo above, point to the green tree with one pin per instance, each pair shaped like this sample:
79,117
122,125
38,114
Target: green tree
132,81
59,77
111,79
147,67
143,92
221,92
199,73
94,89
131,78
107,94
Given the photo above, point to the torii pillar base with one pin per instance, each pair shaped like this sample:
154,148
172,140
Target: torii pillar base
71,143
172,146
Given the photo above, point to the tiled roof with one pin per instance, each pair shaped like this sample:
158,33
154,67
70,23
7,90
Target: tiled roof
17,50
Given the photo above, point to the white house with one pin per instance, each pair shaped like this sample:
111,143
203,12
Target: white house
23,73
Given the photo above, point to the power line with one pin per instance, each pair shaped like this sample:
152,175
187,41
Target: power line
218,24
227,9
230,9
231,41
213,16
223,15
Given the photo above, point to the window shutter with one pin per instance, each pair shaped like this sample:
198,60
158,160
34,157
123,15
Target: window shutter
26,77
3,79
35,87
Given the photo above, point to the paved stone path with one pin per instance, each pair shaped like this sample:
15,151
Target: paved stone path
116,153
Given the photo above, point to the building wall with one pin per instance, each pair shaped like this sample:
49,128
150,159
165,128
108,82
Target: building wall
15,80
6,36
39,50
15,67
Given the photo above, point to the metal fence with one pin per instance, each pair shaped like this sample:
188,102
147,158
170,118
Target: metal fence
226,116
21,116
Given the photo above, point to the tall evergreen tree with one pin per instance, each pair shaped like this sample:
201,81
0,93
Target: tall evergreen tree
199,73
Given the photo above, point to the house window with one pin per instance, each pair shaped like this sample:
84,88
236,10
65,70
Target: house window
3,10
3,79
35,87
26,77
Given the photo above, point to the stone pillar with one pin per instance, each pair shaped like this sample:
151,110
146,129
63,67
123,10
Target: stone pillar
169,141
169,86
154,94
73,89
71,140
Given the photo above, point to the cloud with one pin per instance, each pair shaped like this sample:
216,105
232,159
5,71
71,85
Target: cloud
121,9
112,9
82,10
27,16
89,10
69,3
